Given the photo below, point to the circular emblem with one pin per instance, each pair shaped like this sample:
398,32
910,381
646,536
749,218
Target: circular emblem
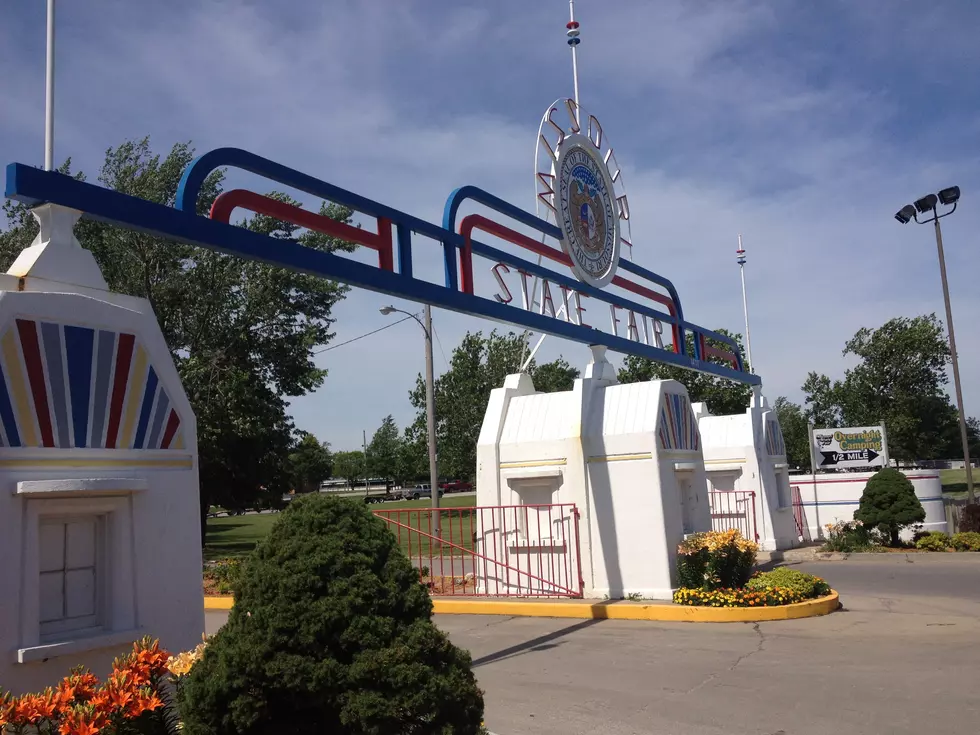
586,211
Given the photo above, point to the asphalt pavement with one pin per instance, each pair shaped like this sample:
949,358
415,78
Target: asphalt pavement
901,658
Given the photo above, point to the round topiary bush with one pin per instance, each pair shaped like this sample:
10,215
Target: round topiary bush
889,503
331,632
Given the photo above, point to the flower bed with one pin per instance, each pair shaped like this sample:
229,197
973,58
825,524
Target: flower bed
737,597
715,570
136,697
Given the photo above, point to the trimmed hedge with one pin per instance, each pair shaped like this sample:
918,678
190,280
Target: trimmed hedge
934,541
966,541
806,585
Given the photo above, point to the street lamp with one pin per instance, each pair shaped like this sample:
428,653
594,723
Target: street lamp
430,411
927,206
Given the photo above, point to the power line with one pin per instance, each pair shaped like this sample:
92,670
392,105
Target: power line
366,334
439,341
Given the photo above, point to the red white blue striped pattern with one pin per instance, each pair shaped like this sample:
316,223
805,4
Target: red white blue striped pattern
68,386
677,429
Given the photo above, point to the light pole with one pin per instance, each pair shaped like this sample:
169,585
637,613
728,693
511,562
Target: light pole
430,411
925,206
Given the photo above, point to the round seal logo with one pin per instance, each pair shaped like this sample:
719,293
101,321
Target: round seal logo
587,214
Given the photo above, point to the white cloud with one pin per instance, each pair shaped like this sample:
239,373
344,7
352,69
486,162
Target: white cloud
727,116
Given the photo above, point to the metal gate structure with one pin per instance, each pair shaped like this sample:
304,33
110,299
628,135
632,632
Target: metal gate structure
799,515
493,551
734,509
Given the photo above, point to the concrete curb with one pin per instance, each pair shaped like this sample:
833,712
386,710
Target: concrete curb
618,610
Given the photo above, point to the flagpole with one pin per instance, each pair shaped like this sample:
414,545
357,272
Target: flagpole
49,94
745,304
573,41
573,33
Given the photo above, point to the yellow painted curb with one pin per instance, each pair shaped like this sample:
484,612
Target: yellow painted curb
615,610
219,603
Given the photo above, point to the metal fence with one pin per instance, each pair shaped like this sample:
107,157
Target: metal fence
799,515
493,551
734,509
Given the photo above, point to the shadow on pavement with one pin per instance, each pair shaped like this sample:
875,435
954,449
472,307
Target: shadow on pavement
540,643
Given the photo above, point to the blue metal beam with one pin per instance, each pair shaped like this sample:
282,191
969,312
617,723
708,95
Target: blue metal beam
34,186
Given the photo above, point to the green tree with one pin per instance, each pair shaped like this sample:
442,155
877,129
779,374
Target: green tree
384,450
241,333
822,401
900,380
554,377
724,397
413,458
889,503
311,463
796,433
477,366
349,465
331,632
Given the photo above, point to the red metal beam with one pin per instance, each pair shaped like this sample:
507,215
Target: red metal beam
479,222
228,201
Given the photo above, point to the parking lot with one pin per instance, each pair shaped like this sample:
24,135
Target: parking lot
902,657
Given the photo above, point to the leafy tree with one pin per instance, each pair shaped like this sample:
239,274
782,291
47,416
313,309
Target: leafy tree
384,450
413,458
349,465
331,632
900,380
241,333
724,397
889,502
796,432
822,401
554,377
311,463
478,365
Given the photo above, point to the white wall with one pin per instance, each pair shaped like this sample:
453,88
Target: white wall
56,403
834,497
608,449
745,452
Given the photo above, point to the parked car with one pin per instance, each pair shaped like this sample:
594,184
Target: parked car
456,486
422,491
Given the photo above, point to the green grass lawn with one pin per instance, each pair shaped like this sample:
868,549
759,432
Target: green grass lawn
954,482
234,536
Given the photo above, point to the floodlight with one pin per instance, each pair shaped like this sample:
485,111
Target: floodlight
950,195
905,214
926,203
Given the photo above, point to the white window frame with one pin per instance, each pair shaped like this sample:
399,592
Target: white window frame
60,628
526,485
112,500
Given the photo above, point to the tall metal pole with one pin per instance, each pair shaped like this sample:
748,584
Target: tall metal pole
956,365
364,453
745,304
49,94
573,41
430,420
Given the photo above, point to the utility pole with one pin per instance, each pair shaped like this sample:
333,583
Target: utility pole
430,420
364,453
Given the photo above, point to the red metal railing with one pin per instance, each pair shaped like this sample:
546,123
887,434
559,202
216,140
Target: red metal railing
799,515
734,509
493,551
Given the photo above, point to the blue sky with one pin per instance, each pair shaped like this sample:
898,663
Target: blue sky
804,126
